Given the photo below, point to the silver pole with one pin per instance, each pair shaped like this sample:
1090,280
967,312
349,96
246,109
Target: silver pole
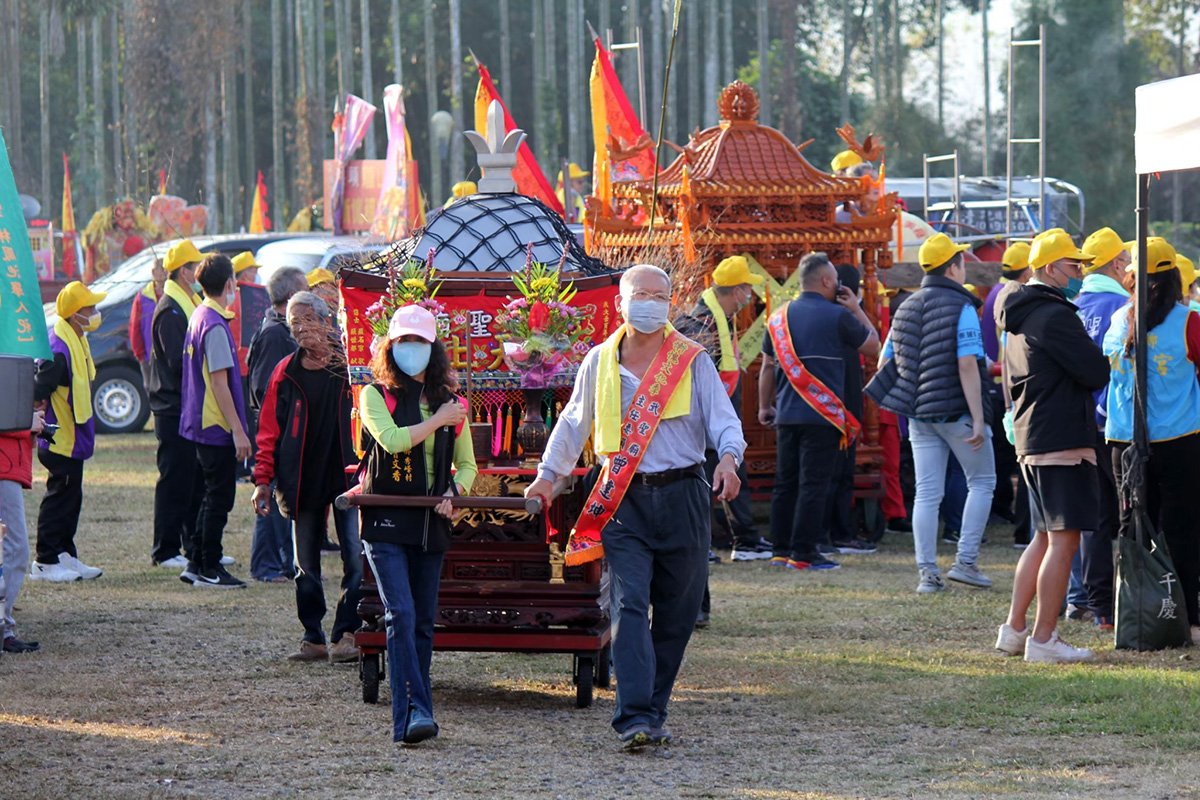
1042,127
957,192
925,168
987,98
641,77
1008,169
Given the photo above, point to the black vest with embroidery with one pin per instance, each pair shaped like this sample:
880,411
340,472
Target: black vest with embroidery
404,473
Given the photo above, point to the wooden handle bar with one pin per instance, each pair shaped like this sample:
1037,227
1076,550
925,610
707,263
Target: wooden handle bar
530,505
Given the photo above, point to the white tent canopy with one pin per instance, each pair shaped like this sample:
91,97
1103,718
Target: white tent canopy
1167,136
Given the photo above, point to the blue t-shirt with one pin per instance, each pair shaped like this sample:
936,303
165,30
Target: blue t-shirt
970,335
820,330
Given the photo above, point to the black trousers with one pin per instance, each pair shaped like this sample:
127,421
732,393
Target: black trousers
218,466
806,457
742,525
1096,547
1005,456
1171,478
177,493
58,517
308,534
840,524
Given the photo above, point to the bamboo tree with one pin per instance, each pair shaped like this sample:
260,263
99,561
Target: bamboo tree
228,150
211,198
115,78
458,169
712,63
12,71
692,44
339,38
540,134
633,18
397,63
549,99
727,73
574,34
44,102
277,182
248,147
505,48
940,11
655,60
605,19
305,161
436,185
132,176
368,88
844,73
101,185
322,103
764,63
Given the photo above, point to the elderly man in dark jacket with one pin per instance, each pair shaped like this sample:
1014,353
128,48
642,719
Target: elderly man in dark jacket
270,549
1051,369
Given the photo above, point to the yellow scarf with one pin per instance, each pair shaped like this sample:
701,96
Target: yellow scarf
149,292
83,370
728,362
186,300
217,307
607,425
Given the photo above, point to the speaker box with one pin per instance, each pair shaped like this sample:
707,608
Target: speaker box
16,398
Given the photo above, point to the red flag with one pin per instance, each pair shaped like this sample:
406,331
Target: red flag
615,125
528,175
72,255
162,182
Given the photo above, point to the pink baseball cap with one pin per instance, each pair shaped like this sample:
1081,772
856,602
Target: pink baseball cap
412,320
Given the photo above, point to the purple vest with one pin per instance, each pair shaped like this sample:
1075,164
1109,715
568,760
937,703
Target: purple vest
73,440
146,323
193,424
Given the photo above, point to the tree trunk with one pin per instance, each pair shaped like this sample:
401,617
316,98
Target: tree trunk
248,147
692,45
788,114
898,56
541,145
940,10
115,76
458,168
44,104
712,63
102,191
655,78
847,52
81,90
506,84
322,112
604,20
229,200
764,63
576,143
277,182
437,187
633,18
727,70
339,36
210,156
550,99
877,84
133,176
16,146
368,87
674,127
289,57
303,174
987,96
397,55
348,27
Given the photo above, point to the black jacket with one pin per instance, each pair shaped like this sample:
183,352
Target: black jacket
271,344
281,430
167,332
1051,369
699,326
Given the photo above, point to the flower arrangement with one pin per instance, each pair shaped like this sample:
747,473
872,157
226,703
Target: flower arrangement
407,287
540,329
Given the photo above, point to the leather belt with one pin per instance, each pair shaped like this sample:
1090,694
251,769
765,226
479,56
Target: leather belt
666,477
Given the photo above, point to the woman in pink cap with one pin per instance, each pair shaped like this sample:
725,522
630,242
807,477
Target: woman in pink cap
413,435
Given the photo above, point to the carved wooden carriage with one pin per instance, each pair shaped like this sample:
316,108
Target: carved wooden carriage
744,188
504,585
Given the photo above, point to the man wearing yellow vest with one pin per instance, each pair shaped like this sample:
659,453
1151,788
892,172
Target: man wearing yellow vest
651,402
65,380
177,491
712,324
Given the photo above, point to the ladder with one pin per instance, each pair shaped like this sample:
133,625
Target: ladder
956,196
1037,223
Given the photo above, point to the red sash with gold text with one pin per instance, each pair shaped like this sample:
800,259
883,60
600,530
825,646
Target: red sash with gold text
661,380
810,388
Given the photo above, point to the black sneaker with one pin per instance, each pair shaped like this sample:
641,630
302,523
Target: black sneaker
752,551
899,525
857,546
217,578
14,645
189,573
713,558
827,550
821,562
950,536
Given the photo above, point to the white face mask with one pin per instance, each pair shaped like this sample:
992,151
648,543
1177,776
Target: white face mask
647,316
230,299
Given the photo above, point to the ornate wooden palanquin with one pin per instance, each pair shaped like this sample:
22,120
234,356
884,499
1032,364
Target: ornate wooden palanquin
744,188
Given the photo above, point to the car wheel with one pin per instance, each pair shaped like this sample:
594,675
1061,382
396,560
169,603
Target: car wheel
119,400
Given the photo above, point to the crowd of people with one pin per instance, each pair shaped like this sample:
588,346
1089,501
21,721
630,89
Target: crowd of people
1018,405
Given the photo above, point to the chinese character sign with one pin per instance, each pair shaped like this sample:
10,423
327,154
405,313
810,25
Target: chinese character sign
360,194
22,325
476,313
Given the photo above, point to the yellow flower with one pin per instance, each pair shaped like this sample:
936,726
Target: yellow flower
415,283
539,284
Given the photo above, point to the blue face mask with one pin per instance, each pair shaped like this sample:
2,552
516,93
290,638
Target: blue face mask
1071,290
411,357
647,316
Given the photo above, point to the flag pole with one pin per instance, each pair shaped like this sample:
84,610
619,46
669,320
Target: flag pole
662,117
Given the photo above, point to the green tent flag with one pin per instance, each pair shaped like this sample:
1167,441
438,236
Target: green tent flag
22,323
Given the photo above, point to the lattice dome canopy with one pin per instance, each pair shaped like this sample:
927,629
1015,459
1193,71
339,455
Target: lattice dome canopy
490,233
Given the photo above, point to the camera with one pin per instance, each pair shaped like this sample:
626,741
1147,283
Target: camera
46,434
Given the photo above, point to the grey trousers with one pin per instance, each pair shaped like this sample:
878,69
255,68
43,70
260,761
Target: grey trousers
16,551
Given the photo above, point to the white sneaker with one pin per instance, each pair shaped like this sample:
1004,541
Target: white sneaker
55,573
226,561
931,581
85,572
1011,642
175,562
1054,651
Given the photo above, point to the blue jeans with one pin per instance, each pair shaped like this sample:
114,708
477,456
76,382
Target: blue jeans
408,579
657,550
932,443
271,546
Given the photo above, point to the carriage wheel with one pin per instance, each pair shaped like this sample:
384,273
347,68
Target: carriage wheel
604,668
369,673
585,667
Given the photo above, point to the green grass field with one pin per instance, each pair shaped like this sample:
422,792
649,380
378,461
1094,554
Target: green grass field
833,685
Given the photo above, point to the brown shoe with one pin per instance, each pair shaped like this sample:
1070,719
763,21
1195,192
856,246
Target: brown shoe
310,651
344,650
